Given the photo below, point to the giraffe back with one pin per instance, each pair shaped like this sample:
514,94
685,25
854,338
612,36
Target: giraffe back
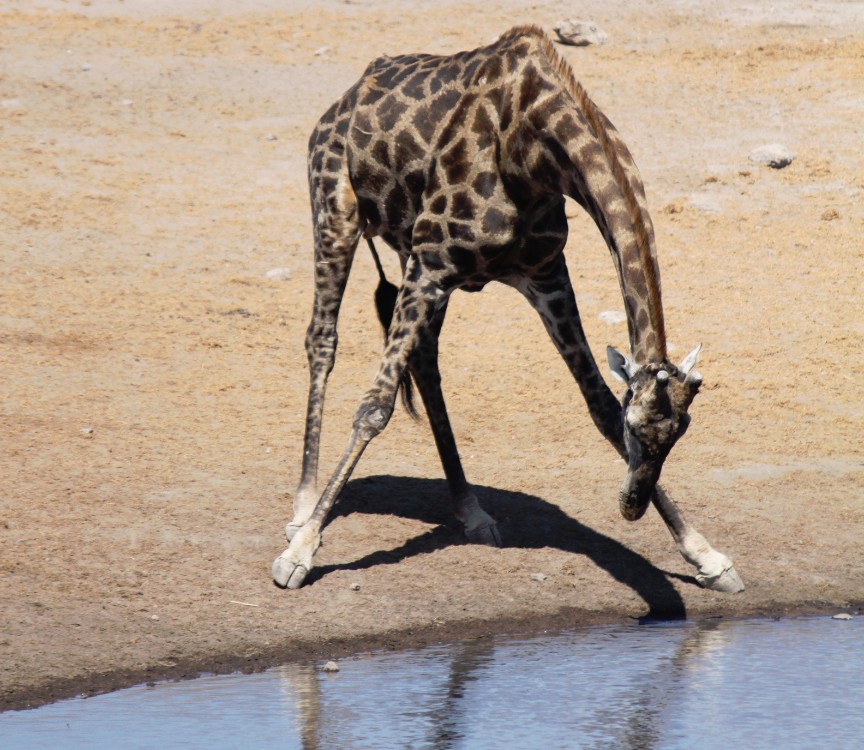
463,159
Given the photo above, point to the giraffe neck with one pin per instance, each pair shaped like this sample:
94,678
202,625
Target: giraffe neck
628,231
599,173
631,244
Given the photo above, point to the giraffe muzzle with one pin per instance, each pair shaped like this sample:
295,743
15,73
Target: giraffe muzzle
632,507
635,494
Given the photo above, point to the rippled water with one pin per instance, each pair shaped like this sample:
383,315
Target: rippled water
752,684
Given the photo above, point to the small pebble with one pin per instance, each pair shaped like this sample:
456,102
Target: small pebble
86,66
279,274
321,51
331,666
154,617
706,203
612,317
271,137
842,616
580,33
355,586
774,155
87,431
539,577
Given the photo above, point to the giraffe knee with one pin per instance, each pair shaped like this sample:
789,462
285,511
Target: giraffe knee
321,347
371,419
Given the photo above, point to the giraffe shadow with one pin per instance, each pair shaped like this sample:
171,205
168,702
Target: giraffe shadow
524,521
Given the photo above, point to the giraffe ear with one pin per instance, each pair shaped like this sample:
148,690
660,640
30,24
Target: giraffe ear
622,368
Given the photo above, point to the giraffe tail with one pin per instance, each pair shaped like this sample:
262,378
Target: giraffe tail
385,304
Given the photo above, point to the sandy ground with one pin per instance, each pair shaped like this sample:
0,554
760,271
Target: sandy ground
154,377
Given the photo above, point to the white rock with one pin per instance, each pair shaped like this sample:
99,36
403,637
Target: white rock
774,155
842,616
321,51
612,317
708,204
539,577
331,666
355,586
279,274
580,33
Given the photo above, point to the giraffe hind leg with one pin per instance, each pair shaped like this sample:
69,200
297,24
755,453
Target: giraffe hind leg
337,232
415,308
385,303
480,527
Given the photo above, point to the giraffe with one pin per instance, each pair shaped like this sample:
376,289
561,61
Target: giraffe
460,164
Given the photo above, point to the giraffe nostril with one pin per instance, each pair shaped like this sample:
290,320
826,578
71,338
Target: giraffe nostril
630,504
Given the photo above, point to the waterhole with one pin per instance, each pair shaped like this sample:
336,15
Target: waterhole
792,683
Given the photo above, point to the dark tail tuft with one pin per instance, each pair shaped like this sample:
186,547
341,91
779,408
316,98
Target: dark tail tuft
385,304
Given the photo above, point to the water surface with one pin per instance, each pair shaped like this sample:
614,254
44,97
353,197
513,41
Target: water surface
748,684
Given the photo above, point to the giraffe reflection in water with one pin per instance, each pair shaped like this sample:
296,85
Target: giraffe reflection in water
447,713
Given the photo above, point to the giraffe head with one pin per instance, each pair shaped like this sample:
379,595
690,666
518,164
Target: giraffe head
655,416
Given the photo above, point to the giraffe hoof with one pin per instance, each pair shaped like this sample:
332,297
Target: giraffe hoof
293,565
288,575
487,534
727,581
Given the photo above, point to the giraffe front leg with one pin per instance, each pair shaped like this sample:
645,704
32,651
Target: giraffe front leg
555,302
714,570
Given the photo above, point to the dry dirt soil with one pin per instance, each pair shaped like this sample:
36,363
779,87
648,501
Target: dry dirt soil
154,377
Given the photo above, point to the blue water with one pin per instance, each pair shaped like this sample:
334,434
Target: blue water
795,683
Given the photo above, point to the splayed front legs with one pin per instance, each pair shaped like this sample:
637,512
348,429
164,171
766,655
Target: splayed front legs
551,294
